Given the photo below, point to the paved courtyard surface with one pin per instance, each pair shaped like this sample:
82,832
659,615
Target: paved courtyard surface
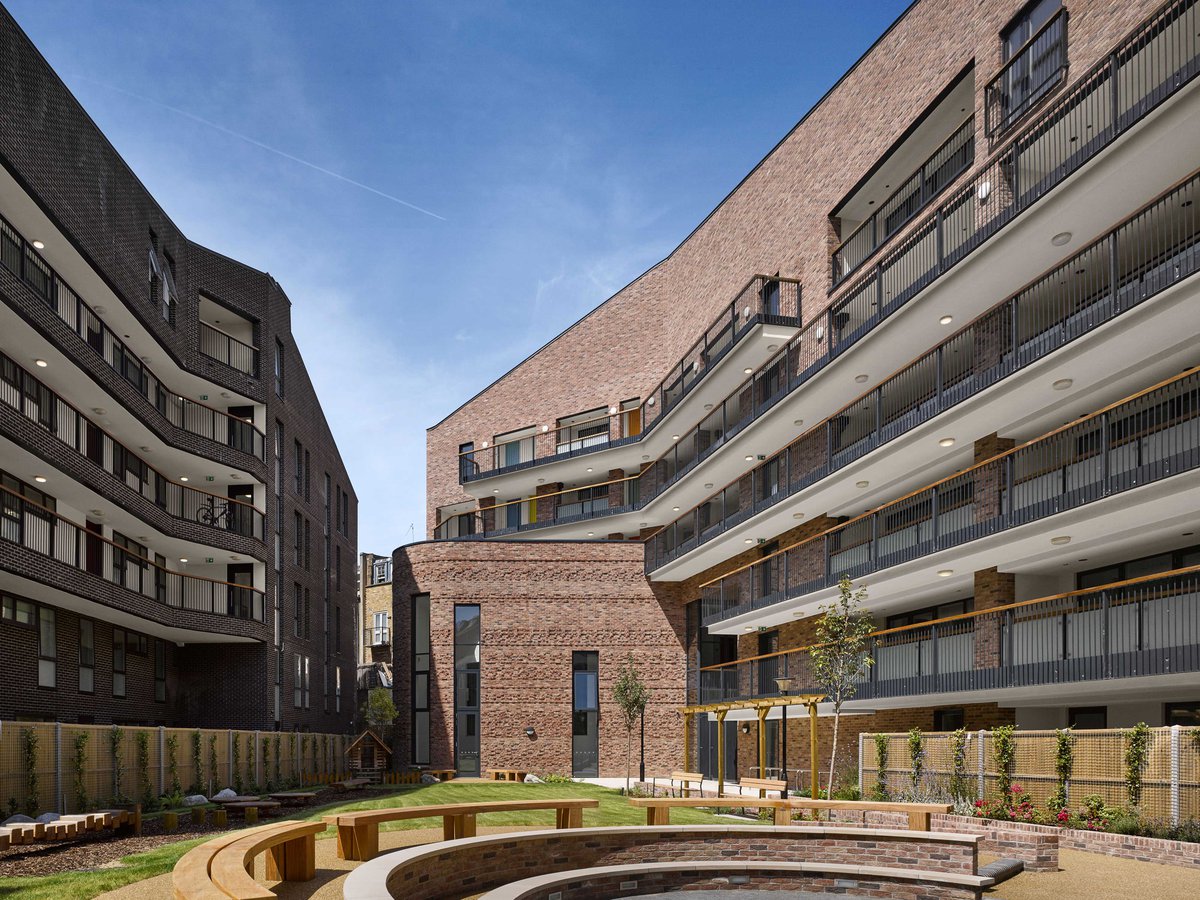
1084,876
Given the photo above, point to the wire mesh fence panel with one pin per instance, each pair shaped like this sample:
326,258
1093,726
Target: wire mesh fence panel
1170,790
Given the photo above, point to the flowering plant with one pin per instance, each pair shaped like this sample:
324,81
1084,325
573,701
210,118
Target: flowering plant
1013,806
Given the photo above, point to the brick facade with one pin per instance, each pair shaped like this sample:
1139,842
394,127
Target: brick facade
108,223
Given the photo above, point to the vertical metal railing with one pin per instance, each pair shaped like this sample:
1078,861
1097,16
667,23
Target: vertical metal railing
225,348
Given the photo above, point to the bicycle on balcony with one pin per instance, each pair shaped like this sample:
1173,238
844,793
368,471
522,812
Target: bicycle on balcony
215,515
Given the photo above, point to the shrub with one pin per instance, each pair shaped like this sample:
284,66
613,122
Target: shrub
1125,824
916,755
29,746
79,772
1004,751
212,761
555,778
881,762
1064,765
173,764
959,785
848,791
197,763
142,744
238,784
116,741
1015,806
1137,746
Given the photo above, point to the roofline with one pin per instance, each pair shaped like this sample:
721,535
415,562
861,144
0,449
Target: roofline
702,223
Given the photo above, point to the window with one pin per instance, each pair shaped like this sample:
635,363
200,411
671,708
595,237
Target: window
299,462
379,629
467,650
298,596
381,571
118,662
337,629
420,679
47,648
307,482
307,545
87,656
1135,568
298,682
948,719
1185,714
278,368
337,690
160,671
297,537
1027,23
17,611
346,513
585,713
466,461
307,614
1087,717
929,613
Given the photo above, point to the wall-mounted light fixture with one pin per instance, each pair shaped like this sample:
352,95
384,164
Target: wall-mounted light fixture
530,732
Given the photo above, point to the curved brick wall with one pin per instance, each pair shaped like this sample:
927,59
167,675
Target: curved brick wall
471,865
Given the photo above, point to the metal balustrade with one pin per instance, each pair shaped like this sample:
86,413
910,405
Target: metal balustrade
225,348
1151,65
48,534
1144,439
1151,251
770,300
1027,77
22,391
19,257
955,156
1146,626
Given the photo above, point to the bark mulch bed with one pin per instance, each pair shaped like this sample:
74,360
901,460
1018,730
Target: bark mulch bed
104,849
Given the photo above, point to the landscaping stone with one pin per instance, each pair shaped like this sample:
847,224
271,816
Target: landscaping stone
46,817
195,800
429,779
18,820
533,779
226,794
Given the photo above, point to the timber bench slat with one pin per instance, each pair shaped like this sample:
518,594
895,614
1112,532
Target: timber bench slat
291,856
658,809
507,774
191,878
358,832
762,785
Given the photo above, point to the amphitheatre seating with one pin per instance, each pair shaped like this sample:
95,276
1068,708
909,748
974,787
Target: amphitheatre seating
658,809
762,785
919,864
358,832
507,774
223,867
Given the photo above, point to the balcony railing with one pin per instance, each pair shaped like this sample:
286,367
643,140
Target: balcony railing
1027,77
556,508
48,534
764,300
225,348
377,637
1146,69
22,391
1151,251
955,156
19,257
1146,626
1139,441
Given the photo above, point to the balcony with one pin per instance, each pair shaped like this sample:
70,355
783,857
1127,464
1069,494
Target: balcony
377,637
44,532
1143,627
225,348
765,300
1143,440
21,391
1028,77
608,499
1150,252
20,258
955,156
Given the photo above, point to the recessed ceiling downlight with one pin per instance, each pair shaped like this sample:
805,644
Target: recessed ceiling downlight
1061,239
1060,539
1062,384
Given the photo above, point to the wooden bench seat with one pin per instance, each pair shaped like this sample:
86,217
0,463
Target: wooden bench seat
358,832
441,774
296,797
684,782
222,868
658,809
762,785
352,784
507,774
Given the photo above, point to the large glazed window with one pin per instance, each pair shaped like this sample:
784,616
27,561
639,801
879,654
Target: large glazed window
467,646
585,714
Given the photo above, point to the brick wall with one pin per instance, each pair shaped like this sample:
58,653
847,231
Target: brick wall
539,601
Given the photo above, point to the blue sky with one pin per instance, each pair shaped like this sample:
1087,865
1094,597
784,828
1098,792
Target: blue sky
561,147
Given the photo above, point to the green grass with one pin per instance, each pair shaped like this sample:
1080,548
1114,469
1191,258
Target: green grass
613,810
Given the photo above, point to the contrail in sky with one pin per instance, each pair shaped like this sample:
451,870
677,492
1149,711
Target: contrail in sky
260,144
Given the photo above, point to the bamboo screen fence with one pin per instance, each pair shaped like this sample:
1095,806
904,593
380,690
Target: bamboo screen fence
49,766
1170,777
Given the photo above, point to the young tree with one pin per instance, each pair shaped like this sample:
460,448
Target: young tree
839,655
380,712
631,695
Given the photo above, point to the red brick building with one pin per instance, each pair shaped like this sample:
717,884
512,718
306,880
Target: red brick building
938,340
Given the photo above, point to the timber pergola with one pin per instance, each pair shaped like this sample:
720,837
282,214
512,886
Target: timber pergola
762,707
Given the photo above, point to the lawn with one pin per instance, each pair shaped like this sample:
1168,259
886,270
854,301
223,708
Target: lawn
613,810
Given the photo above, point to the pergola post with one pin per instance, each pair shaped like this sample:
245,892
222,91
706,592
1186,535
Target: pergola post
762,740
721,713
812,747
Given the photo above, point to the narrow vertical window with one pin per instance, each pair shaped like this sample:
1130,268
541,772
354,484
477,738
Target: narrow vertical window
298,598
585,713
337,690
118,662
87,656
47,648
160,671
298,681
278,368
467,677
420,679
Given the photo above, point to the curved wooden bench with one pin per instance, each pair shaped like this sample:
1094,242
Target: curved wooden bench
358,832
223,867
658,809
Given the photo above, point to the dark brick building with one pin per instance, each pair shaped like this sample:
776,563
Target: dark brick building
179,531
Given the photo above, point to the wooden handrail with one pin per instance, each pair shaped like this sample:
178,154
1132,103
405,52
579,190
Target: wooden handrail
52,513
987,462
534,498
974,614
